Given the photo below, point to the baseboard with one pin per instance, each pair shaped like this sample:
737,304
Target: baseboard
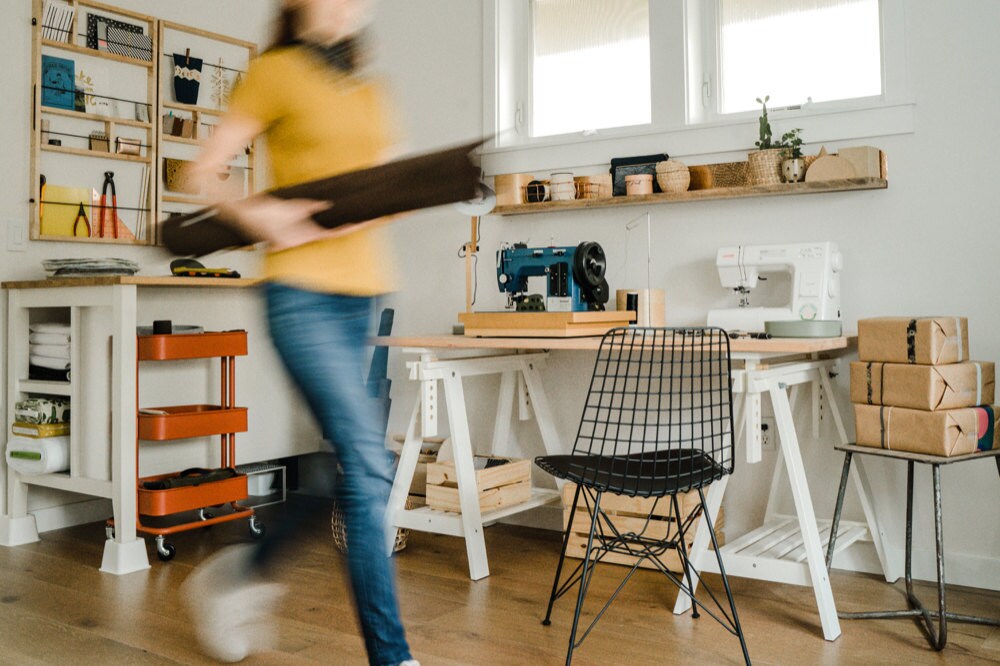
75,513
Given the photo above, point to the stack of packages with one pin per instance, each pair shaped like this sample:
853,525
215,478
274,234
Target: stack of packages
40,442
49,352
915,390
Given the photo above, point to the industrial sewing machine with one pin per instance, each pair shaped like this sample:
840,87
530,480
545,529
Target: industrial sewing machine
815,284
574,276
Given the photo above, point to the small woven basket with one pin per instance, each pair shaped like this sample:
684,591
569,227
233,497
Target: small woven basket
765,166
672,176
340,530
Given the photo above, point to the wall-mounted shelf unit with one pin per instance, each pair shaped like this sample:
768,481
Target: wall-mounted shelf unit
784,189
94,81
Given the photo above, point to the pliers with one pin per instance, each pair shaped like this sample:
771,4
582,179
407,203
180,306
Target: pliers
81,214
109,180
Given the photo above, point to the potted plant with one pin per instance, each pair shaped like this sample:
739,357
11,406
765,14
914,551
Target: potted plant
793,166
765,162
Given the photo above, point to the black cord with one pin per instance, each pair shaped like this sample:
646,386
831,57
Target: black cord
94,138
92,94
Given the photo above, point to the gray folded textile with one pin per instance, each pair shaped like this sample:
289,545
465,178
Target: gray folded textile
48,338
46,362
50,351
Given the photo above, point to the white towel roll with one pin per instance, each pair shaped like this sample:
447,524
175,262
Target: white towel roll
50,328
50,351
48,339
38,455
46,362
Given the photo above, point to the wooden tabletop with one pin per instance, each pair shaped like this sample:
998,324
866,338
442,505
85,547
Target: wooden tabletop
138,280
736,345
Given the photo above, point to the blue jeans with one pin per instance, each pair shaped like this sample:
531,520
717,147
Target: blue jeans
321,339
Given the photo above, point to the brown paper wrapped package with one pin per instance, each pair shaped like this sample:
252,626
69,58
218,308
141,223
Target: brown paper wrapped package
928,387
948,432
934,341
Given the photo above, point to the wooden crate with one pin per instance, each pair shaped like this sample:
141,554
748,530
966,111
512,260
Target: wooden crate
628,514
503,485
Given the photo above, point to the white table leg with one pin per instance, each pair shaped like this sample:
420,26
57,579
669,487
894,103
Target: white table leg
891,569
804,510
505,411
465,473
540,405
404,476
702,538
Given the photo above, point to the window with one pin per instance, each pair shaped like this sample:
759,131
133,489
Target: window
797,51
591,65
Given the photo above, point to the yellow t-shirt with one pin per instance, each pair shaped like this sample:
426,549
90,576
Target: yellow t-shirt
319,123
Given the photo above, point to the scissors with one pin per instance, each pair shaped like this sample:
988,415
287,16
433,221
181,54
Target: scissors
109,181
81,214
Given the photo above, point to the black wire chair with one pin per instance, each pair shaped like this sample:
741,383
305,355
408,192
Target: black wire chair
658,421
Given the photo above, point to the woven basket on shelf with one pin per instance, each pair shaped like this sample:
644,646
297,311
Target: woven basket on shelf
765,166
672,176
340,530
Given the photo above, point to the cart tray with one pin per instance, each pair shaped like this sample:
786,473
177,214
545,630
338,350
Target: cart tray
183,421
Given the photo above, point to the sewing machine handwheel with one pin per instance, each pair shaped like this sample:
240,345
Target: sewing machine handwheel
590,263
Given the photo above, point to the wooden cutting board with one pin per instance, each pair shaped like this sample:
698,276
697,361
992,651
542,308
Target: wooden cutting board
829,167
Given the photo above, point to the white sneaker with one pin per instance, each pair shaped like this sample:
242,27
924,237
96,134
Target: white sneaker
410,662
232,616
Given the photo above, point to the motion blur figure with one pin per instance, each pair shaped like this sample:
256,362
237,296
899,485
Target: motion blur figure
321,115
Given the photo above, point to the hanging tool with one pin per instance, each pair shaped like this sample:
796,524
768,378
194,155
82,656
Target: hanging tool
81,214
109,181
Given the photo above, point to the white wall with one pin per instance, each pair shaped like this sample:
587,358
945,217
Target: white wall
924,246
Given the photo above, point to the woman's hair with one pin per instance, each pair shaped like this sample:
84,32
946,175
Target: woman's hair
286,27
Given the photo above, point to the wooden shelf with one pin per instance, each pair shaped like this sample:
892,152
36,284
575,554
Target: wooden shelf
94,239
93,116
83,152
191,108
783,189
194,201
94,53
181,139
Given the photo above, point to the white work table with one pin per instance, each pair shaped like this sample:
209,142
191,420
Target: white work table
788,549
103,456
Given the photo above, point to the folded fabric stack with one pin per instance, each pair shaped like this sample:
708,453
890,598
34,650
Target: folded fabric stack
48,347
59,268
915,389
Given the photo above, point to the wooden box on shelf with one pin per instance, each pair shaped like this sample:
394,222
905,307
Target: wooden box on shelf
501,482
629,514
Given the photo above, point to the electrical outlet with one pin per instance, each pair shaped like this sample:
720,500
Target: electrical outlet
17,236
768,434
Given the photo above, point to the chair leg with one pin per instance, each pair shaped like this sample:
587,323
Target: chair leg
684,554
835,526
725,579
585,579
562,558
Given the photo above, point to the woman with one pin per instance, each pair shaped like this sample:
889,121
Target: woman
320,117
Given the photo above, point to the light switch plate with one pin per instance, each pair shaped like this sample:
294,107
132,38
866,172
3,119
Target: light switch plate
17,235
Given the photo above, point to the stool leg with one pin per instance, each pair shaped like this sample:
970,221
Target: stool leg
836,512
942,637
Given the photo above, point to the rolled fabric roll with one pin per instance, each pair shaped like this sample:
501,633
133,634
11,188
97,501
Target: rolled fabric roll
51,363
48,338
41,455
50,328
50,351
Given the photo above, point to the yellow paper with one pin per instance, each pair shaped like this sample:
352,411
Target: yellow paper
60,205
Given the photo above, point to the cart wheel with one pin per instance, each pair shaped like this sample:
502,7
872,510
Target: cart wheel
109,532
256,528
165,551
205,515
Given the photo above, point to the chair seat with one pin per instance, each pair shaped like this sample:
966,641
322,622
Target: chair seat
649,474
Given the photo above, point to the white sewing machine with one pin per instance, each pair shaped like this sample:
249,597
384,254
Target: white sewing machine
815,283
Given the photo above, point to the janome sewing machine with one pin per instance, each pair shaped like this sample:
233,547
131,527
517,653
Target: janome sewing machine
575,293
815,288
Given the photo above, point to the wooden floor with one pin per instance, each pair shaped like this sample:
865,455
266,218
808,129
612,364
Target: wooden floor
57,608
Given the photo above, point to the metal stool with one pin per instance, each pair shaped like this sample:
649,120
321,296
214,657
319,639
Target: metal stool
916,609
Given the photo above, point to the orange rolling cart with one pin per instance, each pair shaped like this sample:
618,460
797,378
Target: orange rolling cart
200,489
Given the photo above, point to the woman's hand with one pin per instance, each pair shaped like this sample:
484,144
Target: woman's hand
282,223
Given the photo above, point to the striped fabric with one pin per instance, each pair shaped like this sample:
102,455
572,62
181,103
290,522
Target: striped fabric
130,44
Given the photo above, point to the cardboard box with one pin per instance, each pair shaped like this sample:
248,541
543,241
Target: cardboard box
928,387
947,432
866,160
504,484
920,340
629,514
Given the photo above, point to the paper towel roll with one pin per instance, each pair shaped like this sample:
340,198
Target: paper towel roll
38,455
650,305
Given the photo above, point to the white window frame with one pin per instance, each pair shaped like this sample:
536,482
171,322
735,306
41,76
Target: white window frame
680,126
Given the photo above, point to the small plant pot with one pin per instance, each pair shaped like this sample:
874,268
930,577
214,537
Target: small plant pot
793,170
764,167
